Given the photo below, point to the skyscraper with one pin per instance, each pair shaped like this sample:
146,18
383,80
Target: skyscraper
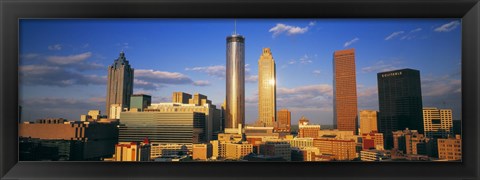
368,121
235,90
267,89
120,83
284,121
400,102
437,122
344,90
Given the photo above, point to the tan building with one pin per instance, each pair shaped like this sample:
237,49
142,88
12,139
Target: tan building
450,149
301,142
266,89
202,151
338,149
368,121
345,90
181,97
307,130
283,121
238,151
119,83
132,151
437,122
115,110
95,114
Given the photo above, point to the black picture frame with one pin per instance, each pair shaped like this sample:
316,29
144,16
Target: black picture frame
11,11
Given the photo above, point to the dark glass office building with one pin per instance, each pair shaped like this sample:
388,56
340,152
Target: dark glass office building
400,102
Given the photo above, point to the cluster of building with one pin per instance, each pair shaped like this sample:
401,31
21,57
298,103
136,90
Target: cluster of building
192,128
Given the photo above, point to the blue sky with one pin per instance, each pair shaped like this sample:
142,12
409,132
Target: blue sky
63,62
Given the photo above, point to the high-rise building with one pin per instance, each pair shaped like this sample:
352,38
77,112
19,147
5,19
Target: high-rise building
120,83
400,102
267,89
345,90
140,101
181,97
162,127
235,76
368,121
437,122
199,103
283,121
450,148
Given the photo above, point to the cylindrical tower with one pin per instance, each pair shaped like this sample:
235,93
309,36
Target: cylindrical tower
235,100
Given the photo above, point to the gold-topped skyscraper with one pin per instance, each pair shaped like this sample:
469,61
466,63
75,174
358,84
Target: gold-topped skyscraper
345,90
267,89
235,76
120,83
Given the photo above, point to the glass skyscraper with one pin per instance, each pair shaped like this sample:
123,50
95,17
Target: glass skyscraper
235,90
400,102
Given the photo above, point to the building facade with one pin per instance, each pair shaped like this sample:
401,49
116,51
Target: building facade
284,123
400,102
345,91
119,83
437,122
162,127
140,101
450,148
267,103
133,151
235,85
368,121
181,97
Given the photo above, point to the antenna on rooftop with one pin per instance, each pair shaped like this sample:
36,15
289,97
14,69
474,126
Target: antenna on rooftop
235,27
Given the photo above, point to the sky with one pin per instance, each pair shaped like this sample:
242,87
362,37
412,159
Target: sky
63,63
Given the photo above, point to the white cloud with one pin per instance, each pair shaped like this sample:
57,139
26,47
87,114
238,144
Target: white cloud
162,77
29,56
393,35
316,72
216,71
56,76
411,34
289,30
381,66
448,26
318,97
70,59
55,47
201,83
312,23
440,86
348,43
251,78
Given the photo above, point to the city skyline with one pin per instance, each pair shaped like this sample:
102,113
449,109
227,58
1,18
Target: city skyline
309,93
